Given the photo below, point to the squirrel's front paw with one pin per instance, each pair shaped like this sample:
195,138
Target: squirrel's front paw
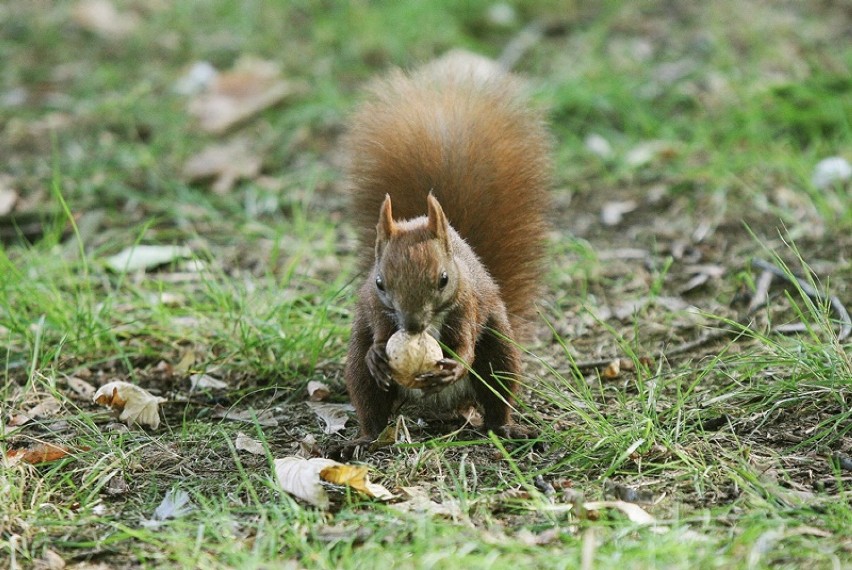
447,372
377,364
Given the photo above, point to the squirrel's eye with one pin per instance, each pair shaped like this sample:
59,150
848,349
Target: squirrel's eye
444,280
380,284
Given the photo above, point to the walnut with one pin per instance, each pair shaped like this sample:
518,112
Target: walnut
412,354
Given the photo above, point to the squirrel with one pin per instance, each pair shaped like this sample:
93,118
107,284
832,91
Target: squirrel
455,164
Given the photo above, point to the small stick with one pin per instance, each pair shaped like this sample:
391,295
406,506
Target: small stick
759,299
807,289
761,291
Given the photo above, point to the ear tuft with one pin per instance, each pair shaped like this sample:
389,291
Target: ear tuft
437,223
386,228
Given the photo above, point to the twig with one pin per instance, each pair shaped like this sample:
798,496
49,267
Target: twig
759,299
726,330
807,289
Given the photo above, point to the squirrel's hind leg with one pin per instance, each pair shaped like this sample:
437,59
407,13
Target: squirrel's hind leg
496,368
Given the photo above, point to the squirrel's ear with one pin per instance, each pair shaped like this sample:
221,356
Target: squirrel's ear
438,224
386,228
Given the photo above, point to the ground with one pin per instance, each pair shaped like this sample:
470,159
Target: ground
666,372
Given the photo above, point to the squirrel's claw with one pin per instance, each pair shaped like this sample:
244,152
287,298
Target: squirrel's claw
377,363
447,372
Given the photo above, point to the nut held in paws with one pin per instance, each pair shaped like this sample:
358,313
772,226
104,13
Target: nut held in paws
412,354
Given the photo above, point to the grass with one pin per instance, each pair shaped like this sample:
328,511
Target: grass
736,447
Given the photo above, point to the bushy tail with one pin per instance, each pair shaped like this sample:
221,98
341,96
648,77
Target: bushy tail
464,130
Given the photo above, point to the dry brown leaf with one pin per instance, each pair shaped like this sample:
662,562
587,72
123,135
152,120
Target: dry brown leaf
187,361
355,477
135,404
80,387
236,95
227,163
335,416
419,502
103,19
50,560
612,370
245,443
318,391
473,416
41,453
45,409
308,447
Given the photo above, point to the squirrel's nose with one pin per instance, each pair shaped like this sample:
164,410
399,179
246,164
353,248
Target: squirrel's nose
413,325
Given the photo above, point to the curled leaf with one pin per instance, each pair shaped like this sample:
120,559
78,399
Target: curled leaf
135,404
41,453
355,477
318,391
240,93
245,443
300,478
334,415
303,478
146,257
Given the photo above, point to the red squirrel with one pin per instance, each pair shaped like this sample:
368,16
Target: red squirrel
455,165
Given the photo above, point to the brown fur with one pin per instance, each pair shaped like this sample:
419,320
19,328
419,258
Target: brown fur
469,138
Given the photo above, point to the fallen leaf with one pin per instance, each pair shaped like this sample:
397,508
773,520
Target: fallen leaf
335,416
252,86
318,391
227,163
102,18
45,409
355,477
50,560
206,382
419,502
116,486
472,415
80,387
612,370
187,361
613,212
40,453
139,257
135,404
633,512
250,416
245,443
175,504
308,447
387,438
301,478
